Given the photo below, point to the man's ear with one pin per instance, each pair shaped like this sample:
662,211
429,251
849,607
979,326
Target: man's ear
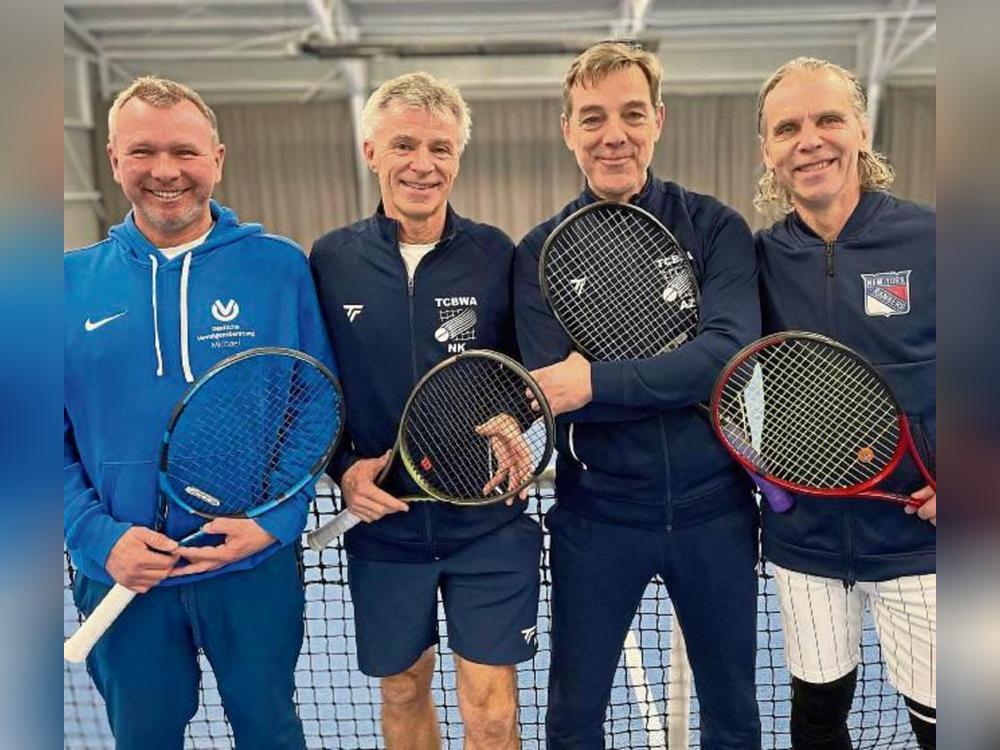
113,158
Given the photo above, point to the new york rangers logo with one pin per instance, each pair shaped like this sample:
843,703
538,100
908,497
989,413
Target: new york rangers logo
887,293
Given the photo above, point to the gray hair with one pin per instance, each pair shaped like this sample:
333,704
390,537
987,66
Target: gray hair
774,200
418,90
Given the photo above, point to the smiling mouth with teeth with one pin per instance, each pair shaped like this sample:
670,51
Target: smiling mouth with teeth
167,194
815,166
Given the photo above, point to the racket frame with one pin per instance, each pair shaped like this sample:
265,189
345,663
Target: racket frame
322,536
862,489
543,283
411,464
314,471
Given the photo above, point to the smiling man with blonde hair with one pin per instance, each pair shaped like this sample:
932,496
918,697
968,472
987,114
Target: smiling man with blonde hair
847,259
177,286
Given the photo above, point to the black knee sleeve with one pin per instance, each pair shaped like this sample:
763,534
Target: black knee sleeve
819,713
923,719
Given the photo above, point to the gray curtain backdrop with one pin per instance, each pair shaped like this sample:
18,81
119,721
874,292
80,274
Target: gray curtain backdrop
908,134
292,166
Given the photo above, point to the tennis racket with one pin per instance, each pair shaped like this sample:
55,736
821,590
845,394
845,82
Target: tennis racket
253,431
618,282
622,287
813,416
468,435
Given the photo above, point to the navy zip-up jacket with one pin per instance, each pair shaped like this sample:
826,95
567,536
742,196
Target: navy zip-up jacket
391,336
640,454
873,289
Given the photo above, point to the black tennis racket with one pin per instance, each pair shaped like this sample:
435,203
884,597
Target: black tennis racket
253,431
813,416
622,287
619,283
468,435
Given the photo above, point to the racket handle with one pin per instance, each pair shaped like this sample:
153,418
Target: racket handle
321,538
78,645
778,498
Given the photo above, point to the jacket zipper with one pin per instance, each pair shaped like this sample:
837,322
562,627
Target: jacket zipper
424,507
830,297
666,474
830,286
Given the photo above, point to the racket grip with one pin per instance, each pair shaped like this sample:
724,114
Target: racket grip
78,645
777,497
321,538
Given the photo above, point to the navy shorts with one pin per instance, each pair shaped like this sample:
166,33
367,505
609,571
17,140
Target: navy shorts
489,589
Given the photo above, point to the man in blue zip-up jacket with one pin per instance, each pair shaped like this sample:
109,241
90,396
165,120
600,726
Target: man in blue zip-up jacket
387,287
642,486
178,286
848,260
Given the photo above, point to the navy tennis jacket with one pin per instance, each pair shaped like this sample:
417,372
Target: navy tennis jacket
640,454
874,289
389,335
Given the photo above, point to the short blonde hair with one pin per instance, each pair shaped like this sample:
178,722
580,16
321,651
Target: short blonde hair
418,90
775,200
161,93
606,58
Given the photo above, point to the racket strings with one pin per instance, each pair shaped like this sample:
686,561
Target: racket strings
440,442
456,460
825,421
250,433
818,419
866,425
441,437
621,285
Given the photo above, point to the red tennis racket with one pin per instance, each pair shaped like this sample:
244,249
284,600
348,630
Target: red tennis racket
813,416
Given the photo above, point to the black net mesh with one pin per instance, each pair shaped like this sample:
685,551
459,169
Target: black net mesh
653,702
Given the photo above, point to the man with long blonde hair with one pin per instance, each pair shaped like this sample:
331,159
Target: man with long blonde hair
847,259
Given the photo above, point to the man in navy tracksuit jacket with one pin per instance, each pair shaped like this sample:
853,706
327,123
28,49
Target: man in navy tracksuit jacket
178,286
642,486
852,262
387,285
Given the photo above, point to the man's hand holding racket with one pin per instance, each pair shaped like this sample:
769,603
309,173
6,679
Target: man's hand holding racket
141,558
362,495
243,537
565,384
512,452
927,496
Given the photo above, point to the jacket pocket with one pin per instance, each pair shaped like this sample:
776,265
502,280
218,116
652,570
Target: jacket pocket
571,445
129,491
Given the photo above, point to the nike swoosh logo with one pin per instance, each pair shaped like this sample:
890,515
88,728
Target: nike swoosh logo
93,326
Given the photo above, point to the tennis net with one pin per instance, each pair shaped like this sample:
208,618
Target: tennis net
653,703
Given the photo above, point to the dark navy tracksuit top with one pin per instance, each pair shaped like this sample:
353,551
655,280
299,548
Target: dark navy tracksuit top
386,330
873,288
640,454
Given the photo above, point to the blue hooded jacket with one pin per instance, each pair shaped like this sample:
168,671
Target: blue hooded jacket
874,289
138,330
640,454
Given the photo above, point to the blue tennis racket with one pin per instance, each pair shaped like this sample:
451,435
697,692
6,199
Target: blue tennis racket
253,431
